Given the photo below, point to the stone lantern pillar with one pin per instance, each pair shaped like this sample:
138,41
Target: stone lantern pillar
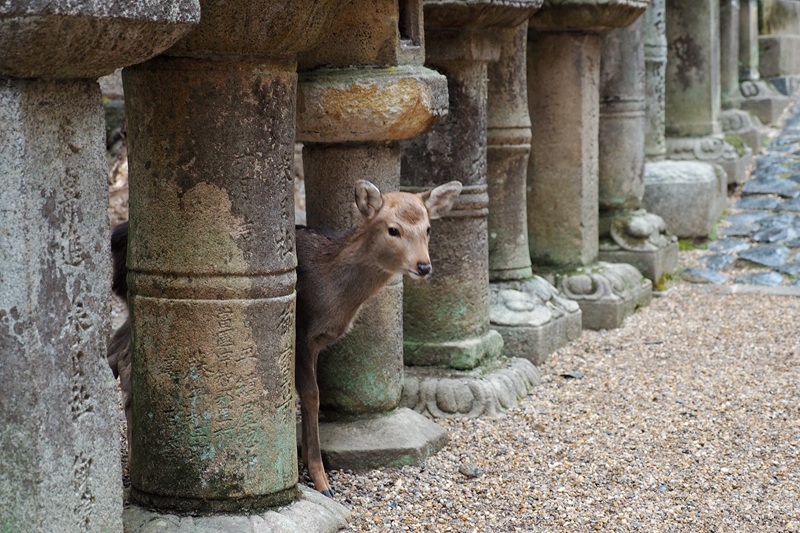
689,196
736,122
693,128
757,96
212,273
450,350
530,314
564,47
363,90
59,464
628,233
779,44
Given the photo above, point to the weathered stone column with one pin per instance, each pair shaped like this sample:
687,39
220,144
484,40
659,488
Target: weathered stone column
371,92
563,191
59,439
211,273
688,196
449,347
736,122
628,233
530,314
757,96
693,128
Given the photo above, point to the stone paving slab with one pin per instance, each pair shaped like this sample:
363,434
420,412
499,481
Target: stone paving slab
758,246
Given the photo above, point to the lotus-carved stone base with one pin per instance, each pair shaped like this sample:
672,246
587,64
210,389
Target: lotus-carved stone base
730,153
533,318
606,292
640,239
485,392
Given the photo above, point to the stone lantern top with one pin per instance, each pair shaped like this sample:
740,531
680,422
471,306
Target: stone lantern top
587,15
67,39
478,13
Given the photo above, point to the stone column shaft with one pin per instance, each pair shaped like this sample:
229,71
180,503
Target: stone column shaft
655,56
563,73
729,53
211,272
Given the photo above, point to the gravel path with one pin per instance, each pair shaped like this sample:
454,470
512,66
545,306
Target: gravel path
685,419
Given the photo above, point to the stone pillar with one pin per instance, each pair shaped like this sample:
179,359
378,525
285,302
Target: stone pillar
628,233
449,347
530,314
693,127
211,273
688,196
757,96
779,44
735,122
371,92
563,191
59,435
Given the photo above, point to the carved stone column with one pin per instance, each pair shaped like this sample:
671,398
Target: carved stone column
59,440
779,44
211,273
530,314
628,233
450,350
688,196
363,91
563,190
757,96
694,131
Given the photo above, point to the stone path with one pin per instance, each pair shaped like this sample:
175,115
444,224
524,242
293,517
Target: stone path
758,241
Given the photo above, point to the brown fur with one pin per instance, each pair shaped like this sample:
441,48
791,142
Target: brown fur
336,274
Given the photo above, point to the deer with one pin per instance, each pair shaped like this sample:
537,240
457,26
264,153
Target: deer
337,272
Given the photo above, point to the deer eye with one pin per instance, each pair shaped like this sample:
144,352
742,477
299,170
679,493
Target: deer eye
394,232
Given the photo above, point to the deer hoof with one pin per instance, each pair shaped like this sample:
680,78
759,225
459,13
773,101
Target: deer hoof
328,493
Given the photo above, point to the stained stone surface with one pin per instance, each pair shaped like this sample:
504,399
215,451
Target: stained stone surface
770,279
719,261
758,202
772,185
703,275
771,255
728,245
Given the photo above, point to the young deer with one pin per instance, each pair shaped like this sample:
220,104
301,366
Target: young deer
336,274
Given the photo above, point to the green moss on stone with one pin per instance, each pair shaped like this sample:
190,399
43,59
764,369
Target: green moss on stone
737,142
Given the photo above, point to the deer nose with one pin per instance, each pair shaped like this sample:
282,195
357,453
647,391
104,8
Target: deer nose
423,269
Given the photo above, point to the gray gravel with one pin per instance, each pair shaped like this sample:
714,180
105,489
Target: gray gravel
685,419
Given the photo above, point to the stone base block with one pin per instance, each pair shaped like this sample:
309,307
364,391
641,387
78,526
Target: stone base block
651,263
483,392
778,54
310,512
786,84
607,293
763,101
401,437
462,354
746,126
533,318
689,196
731,153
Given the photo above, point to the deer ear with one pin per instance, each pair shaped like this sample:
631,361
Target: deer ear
441,200
368,198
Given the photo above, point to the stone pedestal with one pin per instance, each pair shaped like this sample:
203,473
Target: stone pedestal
688,196
446,322
693,101
563,178
628,233
211,268
528,312
372,92
59,464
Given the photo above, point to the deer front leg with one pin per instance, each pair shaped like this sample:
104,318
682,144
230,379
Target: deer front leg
306,378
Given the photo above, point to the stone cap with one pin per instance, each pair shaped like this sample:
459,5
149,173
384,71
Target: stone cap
89,39
359,105
587,15
478,13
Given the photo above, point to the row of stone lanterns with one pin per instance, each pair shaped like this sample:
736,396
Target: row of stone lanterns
552,108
